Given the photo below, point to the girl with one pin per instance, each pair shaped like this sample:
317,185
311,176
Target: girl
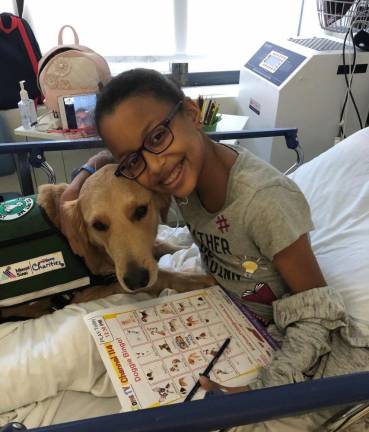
250,222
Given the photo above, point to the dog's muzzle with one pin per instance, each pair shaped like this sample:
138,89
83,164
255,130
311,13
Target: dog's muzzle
136,277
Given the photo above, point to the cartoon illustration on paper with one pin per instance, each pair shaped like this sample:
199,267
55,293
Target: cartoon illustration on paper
135,336
127,320
191,320
210,317
156,330
146,353
195,359
165,347
210,351
175,365
183,306
200,302
147,315
155,372
164,391
181,343
166,310
174,325
184,384
203,336
223,371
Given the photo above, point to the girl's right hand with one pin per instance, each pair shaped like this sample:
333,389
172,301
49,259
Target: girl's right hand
101,159
210,385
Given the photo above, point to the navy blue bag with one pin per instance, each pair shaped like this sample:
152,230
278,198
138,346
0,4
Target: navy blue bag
19,53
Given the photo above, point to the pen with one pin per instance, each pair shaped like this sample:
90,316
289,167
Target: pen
208,369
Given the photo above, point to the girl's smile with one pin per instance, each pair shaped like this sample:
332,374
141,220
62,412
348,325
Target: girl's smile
175,176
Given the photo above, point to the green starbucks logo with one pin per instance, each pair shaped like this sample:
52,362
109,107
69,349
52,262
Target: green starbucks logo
15,208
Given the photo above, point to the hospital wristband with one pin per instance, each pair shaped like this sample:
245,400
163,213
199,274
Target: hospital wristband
88,168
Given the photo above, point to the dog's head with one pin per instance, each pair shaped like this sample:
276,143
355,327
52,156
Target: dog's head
115,221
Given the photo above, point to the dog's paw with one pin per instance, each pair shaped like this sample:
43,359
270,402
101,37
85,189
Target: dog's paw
189,282
201,281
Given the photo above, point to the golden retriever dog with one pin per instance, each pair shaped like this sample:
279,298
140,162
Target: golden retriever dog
115,221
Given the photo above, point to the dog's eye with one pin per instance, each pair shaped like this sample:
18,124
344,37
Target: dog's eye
140,212
99,226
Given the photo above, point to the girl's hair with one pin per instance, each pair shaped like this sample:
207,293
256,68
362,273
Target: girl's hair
135,82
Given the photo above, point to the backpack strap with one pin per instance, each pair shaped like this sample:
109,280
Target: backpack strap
27,44
20,6
60,35
12,27
29,48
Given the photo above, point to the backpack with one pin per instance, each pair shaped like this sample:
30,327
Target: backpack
19,53
70,70
36,259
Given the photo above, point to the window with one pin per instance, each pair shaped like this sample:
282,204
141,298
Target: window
228,32
211,35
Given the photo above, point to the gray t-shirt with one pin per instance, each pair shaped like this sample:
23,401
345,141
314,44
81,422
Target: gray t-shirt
264,212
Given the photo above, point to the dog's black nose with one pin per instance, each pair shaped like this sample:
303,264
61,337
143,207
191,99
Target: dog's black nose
136,277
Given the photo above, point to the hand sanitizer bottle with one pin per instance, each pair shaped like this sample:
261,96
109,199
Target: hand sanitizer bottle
27,108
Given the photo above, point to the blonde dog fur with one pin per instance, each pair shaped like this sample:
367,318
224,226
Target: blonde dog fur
115,222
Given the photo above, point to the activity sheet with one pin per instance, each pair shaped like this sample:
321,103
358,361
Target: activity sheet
155,350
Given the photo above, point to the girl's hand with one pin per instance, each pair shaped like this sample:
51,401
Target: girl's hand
101,159
210,385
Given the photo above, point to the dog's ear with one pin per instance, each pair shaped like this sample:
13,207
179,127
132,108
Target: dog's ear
163,202
49,199
95,258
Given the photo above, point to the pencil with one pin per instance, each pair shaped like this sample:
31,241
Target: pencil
208,108
208,369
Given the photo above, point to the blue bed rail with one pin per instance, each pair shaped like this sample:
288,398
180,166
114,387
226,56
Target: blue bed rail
231,410
32,152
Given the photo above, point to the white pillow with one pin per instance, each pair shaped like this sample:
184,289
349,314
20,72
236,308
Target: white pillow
336,185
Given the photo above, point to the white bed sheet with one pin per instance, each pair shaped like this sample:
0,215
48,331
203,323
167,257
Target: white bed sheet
336,185
51,371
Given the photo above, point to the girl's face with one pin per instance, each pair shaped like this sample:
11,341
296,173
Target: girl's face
177,169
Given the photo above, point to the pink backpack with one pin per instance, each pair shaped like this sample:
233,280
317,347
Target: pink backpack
69,70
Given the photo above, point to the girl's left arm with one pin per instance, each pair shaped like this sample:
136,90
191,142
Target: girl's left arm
298,266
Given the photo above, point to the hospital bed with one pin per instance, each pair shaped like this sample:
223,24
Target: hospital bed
336,185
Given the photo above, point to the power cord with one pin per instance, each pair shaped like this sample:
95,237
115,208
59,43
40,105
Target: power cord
349,83
51,123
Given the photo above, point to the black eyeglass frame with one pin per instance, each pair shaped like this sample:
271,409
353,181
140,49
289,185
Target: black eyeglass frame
119,172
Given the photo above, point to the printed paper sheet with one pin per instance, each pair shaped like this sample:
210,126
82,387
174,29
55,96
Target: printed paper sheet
155,350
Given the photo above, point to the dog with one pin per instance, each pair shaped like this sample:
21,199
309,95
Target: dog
115,222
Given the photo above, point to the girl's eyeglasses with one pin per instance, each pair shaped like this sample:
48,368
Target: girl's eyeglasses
156,142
